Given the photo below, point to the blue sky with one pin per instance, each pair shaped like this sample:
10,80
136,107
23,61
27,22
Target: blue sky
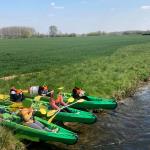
78,16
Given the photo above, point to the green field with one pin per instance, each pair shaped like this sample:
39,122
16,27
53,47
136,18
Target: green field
106,65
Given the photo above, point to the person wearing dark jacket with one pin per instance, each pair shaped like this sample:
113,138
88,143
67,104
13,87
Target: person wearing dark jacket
16,95
44,91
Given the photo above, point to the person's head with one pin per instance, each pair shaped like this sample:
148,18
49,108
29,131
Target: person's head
27,103
52,91
45,87
76,87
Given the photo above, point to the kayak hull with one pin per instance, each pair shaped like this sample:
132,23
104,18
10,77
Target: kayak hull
75,116
63,135
96,103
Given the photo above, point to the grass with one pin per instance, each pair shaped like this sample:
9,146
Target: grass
8,142
19,56
107,66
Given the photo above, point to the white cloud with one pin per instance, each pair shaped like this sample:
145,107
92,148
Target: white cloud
51,15
145,7
52,4
59,7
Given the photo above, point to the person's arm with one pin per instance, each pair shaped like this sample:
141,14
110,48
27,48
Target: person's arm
53,104
61,101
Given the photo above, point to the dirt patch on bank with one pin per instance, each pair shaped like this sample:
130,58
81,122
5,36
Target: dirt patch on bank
8,77
14,76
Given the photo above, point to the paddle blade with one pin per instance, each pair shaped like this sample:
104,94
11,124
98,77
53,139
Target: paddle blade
37,98
51,119
71,99
25,91
51,113
43,106
4,97
43,111
17,105
61,88
80,100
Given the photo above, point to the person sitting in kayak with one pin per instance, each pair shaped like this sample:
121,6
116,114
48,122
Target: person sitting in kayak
28,118
16,95
44,91
55,103
78,93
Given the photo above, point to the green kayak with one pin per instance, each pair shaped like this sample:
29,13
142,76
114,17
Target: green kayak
92,103
75,115
25,132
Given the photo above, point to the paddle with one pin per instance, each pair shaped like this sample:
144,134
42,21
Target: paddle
37,98
43,109
25,91
4,97
70,100
57,111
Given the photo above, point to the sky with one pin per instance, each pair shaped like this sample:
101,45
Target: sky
79,16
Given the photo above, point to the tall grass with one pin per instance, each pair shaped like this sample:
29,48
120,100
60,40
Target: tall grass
8,142
116,75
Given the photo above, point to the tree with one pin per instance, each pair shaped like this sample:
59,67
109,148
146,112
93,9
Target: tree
53,31
17,32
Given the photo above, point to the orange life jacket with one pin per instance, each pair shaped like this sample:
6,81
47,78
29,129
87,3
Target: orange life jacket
18,91
59,99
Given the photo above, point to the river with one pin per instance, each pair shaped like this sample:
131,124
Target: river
126,128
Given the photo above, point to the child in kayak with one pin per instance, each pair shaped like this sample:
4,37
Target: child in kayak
16,95
55,103
44,91
28,118
78,93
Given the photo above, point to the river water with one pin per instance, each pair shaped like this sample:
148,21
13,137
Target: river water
126,128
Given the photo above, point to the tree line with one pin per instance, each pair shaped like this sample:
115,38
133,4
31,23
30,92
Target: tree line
17,32
27,32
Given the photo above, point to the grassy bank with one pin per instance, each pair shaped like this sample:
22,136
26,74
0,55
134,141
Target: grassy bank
8,142
107,66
